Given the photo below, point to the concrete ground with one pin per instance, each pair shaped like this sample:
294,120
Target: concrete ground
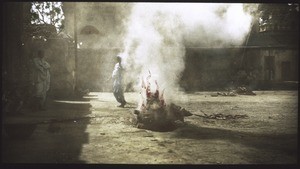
94,130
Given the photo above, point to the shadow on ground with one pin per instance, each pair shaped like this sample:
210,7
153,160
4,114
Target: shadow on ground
57,138
279,144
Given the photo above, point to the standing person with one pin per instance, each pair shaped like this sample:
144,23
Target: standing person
117,77
41,80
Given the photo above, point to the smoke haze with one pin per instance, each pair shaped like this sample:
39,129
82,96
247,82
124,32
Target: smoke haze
158,33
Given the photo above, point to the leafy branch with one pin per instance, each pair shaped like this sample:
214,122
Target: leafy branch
47,13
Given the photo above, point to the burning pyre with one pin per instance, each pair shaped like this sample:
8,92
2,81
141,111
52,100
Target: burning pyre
153,112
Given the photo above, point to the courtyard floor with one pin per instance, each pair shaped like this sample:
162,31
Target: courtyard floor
94,130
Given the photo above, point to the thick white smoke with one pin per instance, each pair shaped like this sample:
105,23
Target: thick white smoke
158,34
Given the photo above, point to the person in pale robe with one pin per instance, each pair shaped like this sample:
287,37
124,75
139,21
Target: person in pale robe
117,77
41,80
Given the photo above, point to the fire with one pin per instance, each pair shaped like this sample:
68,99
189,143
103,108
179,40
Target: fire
153,99
153,112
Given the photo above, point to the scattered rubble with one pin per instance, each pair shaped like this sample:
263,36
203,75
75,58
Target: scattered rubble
238,91
244,91
220,116
227,93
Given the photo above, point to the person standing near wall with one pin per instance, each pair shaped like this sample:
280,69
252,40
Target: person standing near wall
117,77
40,81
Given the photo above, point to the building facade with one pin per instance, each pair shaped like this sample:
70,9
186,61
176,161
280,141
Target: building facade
269,55
273,46
99,30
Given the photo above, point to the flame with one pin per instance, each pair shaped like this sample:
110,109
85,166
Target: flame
151,96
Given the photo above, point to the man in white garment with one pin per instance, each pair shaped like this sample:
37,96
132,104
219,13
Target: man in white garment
41,80
117,82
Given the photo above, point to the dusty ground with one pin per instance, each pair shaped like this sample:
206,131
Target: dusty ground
96,131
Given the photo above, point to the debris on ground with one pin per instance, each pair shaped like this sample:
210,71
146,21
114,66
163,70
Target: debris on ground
244,91
220,116
227,93
239,91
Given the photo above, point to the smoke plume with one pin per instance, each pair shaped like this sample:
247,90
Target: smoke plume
158,34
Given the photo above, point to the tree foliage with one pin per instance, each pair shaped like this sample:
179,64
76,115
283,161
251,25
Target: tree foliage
47,13
278,13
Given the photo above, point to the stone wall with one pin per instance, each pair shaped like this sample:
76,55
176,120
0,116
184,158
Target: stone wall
283,55
209,69
95,68
61,59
